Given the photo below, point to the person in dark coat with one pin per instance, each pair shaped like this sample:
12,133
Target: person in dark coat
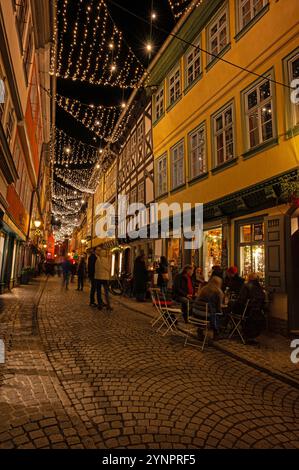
91,272
255,319
162,271
232,281
81,273
183,290
66,271
140,277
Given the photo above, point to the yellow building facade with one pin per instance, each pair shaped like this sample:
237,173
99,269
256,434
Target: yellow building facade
225,134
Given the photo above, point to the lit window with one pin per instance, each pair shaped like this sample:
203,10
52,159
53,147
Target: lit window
177,165
161,175
223,126
197,152
174,87
159,103
248,9
252,249
259,113
192,64
218,34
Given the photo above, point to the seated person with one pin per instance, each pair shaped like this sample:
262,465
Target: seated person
213,296
183,290
232,280
254,319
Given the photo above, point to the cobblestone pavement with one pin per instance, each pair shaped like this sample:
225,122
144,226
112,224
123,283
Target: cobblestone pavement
88,379
271,353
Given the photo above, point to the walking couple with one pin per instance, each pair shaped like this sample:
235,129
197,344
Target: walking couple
99,274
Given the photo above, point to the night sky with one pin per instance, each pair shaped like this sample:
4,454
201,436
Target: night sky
136,33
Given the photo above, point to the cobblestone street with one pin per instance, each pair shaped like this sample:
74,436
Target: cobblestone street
79,378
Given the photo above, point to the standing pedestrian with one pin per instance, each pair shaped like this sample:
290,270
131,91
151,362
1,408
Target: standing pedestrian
91,271
81,272
140,277
102,276
66,272
163,276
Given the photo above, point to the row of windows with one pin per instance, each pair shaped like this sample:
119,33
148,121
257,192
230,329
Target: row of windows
22,185
259,125
218,38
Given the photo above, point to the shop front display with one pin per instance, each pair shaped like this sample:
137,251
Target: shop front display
212,250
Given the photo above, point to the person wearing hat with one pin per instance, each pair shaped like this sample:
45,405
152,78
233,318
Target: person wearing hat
232,281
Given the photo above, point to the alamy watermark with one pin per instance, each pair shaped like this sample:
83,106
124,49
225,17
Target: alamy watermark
2,352
135,220
295,354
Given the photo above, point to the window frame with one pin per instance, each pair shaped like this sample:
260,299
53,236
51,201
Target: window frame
192,50
169,87
10,124
200,127
258,108
290,107
215,19
176,147
241,25
214,117
160,190
159,104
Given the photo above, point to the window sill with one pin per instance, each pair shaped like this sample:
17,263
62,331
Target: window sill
215,59
260,148
159,119
178,188
189,87
161,196
223,166
198,178
252,22
292,131
169,108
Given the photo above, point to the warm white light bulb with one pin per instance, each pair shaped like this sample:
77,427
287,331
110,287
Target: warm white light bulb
113,68
98,166
111,45
123,105
149,47
154,16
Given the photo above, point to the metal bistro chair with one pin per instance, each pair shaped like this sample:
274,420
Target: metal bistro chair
171,314
202,322
237,321
165,314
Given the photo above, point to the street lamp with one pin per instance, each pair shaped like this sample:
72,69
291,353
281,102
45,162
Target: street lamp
37,223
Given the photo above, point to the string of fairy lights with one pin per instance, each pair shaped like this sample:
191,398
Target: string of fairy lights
179,7
88,47
91,48
97,118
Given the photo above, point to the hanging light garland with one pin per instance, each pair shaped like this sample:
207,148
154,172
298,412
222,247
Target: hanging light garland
91,48
69,151
97,118
78,179
179,7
